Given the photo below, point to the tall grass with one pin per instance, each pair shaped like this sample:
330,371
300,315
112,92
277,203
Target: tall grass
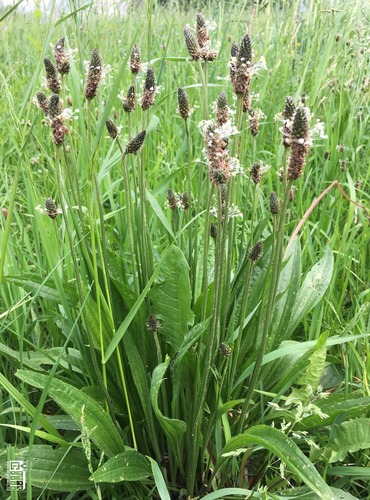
151,340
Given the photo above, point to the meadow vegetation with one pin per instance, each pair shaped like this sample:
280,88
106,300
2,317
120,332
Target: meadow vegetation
184,250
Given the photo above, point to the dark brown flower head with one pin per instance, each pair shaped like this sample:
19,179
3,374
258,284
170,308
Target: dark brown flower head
51,76
149,90
112,129
42,102
129,103
256,251
202,31
254,122
61,57
93,75
289,108
51,209
135,60
225,349
218,155
172,199
241,73
213,231
300,143
135,144
222,110
183,100
184,200
256,172
301,126
152,323
274,204
55,106
191,44
245,50
247,101
234,51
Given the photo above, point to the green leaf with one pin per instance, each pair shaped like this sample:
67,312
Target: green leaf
352,408
314,371
171,297
173,428
349,436
159,480
130,465
99,424
312,290
282,446
55,469
131,315
289,283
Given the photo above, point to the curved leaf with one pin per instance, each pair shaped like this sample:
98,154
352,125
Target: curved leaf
72,400
312,290
173,428
130,465
282,446
171,297
349,436
55,469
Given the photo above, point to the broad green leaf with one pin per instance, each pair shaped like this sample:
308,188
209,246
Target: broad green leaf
159,480
159,213
312,290
289,283
303,494
42,287
130,465
129,318
41,434
298,347
78,405
349,436
282,446
171,297
93,317
173,428
177,368
55,469
313,373
351,408
27,406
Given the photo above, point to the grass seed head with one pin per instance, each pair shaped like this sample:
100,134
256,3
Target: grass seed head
274,204
61,57
42,102
112,129
152,323
183,100
225,349
51,76
256,172
93,75
135,60
289,108
299,144
256,251
172,199
245,50
202,31
51,208
129,103
254,122
134,146
184,200
191,44
222,110
149,90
